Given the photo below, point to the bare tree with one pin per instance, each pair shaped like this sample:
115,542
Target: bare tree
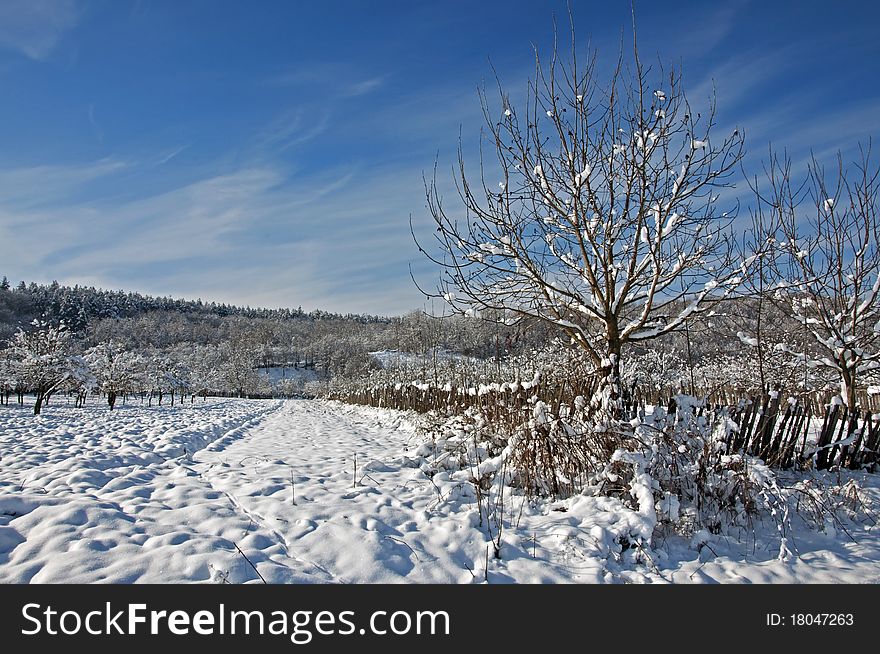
598,212
827,261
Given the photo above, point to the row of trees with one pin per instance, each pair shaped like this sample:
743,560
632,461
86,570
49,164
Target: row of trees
46,360
740,348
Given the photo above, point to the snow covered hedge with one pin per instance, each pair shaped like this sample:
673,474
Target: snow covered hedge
671,469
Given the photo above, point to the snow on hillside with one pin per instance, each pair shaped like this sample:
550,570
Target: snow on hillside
313,491
279,375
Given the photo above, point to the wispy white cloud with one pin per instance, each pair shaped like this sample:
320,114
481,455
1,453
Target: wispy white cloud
708,28
335,81
96,128
23,188
258,235
840,130
748,97
290,129
35,27
362,88
167,156
735,81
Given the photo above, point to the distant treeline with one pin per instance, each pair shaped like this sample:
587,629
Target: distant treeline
77,306
275,336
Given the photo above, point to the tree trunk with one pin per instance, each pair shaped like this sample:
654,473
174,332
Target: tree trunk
111,399
607,400
615,395
38,405
848,387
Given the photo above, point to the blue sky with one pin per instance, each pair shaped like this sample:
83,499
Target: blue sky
270,153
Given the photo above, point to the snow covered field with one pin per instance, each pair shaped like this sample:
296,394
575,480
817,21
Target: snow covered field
239,490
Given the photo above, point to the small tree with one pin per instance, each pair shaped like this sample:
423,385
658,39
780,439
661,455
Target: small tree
204,363
167,373
238,368
42,358
599,211
115,369
81,380
827,262
8,379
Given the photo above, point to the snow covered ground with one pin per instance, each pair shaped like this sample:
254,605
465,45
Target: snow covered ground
235,490
281,374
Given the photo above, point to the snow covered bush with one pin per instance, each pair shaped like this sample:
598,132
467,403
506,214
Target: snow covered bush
671,472
828,506
554,454
547,448
678,473
652,370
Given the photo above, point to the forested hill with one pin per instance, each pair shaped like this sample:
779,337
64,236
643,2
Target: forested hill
139,321
77,306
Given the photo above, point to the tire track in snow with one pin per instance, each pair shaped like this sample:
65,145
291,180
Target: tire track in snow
330,511
261,523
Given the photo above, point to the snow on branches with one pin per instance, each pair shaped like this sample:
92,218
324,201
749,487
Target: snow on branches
606,223
42,359
826,262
